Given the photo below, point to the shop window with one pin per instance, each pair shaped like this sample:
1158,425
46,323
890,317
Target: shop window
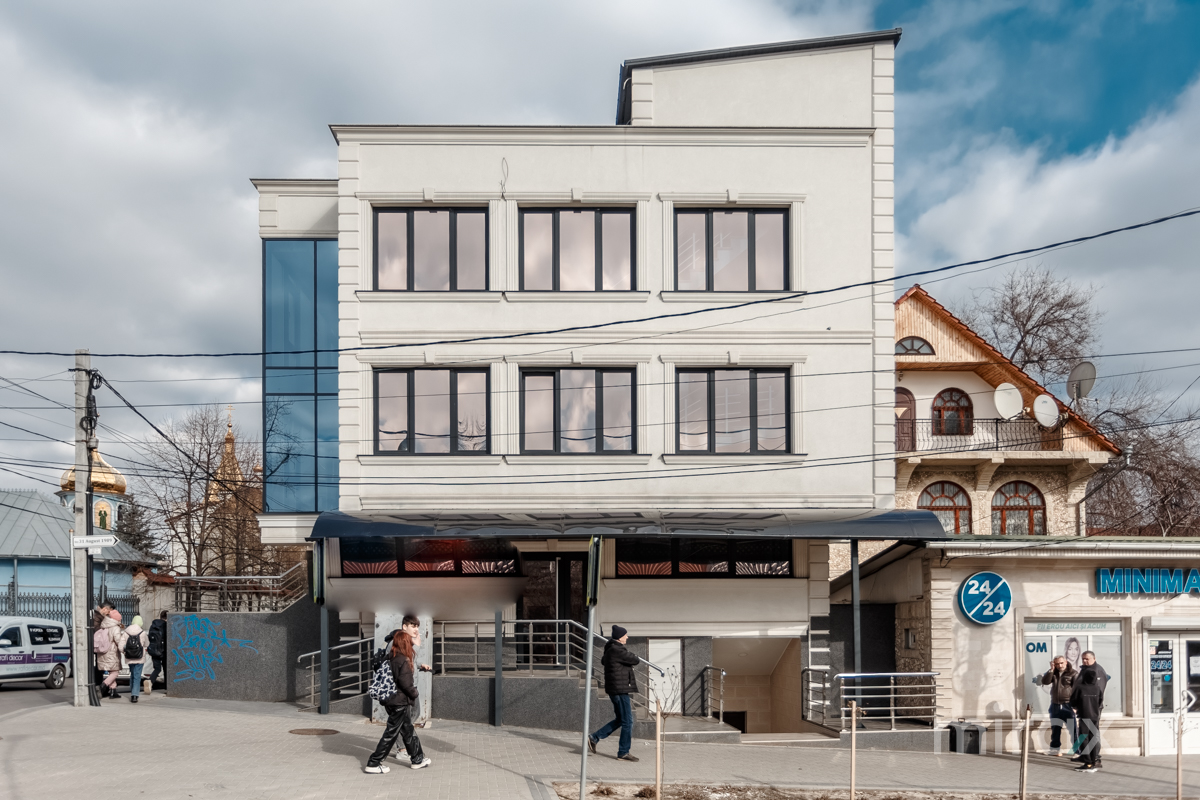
953,414
1045,640
431,250
577,411
431,411
949,503
913,346
1018,509
429,558
577,250
704,558
731,251
732,411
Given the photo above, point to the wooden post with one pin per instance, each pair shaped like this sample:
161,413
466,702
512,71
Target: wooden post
1025,750
1179,756
658,734
853,744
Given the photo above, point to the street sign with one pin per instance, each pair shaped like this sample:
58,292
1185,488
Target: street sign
82,542
985,598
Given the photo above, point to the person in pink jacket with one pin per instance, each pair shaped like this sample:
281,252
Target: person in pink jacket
110,660
133,645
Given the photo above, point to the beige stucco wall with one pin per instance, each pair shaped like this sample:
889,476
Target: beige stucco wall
1052,481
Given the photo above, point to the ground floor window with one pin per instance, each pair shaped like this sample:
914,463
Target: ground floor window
381,557
704,558
1071,639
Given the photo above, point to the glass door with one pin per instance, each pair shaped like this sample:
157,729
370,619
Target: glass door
1174,669
1187,673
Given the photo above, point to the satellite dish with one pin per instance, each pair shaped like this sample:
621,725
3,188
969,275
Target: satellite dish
1045,410
1008,400
1081,380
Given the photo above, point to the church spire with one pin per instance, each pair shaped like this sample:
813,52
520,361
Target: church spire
229,475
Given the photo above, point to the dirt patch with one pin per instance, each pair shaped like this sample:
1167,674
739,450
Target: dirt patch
694,791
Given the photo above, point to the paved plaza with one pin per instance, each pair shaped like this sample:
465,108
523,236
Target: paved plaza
200,749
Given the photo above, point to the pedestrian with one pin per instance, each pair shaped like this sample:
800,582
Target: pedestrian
1061,680
157,636
619,683
1088,659
109,661
99,614
132,645
1087,698
412,626
400,706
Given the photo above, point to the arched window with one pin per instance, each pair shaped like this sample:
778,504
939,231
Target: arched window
1018,509
952,414
913,346
950,504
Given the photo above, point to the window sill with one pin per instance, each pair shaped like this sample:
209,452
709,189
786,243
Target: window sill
443,458
579,458
716,459
428,297
730,297
577,297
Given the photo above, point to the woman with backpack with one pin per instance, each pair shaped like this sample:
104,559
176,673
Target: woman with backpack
400,706
108,653
132,645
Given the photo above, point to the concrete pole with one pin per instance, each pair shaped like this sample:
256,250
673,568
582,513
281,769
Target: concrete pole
498,706
81,603
587,700
323,706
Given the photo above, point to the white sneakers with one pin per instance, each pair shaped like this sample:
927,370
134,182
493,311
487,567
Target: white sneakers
403,758
423,764
381,769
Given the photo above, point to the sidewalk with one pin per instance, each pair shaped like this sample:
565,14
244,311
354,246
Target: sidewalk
200,749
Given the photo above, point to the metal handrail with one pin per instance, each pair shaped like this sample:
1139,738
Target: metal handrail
357,680
918,435
858,692
806,688
709,668
241,592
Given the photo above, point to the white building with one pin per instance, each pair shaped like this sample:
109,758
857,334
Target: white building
546,332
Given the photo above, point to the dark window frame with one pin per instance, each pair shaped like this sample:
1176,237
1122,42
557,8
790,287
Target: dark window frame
457,556
962,513
712,410
453,411
1000,511
964,425
555,213
600,371
731,561
912,346
750,246
410,266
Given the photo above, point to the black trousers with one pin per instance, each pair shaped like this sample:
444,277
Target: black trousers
399,726
1089,740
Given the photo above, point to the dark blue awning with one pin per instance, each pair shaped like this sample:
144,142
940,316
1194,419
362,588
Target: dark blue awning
905,524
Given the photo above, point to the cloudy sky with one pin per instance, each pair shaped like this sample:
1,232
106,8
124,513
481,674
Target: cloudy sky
132,128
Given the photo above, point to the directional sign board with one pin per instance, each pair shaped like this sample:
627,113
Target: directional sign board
81,542
985,598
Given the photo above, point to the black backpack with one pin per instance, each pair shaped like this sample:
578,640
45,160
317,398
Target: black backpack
133,647
157,645
379,658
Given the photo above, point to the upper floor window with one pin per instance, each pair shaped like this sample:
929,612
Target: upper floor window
913,346
952,413
731,251
732,411
1018,509
577,250
704,558
431,250
577,411
420,411
949,503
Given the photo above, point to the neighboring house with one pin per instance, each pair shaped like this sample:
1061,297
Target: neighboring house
716,452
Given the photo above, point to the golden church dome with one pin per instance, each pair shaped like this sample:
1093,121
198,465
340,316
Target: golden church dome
105,478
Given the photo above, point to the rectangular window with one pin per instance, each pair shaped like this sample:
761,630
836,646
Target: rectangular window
431,411
731,251
1071,639
431,250
577,250
732,411
704,558
379,557
577,411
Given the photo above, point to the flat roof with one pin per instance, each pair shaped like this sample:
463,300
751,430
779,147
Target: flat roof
624,105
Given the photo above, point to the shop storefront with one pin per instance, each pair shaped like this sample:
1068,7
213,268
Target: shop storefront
990,613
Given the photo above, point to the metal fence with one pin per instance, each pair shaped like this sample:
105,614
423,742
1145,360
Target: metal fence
241,592
349,672
885,698
49,605
913,435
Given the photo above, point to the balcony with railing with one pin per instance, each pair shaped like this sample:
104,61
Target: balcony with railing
969,435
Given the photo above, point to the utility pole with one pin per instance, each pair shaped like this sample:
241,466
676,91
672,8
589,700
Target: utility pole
81,601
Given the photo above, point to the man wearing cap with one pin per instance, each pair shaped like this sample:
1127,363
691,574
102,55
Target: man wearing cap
618,683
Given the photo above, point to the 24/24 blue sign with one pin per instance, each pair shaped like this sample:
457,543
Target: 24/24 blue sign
985,598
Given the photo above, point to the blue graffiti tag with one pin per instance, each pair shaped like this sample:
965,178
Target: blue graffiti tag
196,641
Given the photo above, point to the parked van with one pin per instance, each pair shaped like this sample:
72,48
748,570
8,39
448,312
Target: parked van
33,649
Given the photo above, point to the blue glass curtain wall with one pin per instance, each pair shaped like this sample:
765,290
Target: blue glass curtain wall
300,429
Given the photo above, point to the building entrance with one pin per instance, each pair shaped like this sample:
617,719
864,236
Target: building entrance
1173,665
554,591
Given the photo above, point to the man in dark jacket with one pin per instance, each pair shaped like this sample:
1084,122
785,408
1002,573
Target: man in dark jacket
158,645
618,683
1087,698
1061,680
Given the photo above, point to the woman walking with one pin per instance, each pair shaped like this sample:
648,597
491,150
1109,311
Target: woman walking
400,707
109,661
132,645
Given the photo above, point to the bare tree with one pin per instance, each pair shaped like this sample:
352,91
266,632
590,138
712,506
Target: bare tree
1043,323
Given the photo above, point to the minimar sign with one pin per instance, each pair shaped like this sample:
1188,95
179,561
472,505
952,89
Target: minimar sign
1154,580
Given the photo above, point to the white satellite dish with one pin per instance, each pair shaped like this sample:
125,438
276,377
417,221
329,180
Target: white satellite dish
1045,410
1081,380
1008,400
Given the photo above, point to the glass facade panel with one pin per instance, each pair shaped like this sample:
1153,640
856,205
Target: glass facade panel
472,411
618,410
538,397
693,411
768,252
391,250
732,404
392,414
617,241
691,264
291,380
577,251
288,289
771,391
471,255
431,251
431,411
577,410
537,266
731,251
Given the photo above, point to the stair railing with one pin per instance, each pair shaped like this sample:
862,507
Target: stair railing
715,680
349,672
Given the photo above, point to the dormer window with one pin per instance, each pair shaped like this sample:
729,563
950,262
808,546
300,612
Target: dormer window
913,346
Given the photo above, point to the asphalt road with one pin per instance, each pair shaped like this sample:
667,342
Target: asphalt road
19,696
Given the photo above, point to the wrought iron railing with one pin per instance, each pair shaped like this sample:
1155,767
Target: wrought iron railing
890,696
922,435
49,605
241,592
349,672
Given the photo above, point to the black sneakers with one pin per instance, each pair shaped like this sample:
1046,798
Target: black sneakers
592,745
1087,768
628,757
